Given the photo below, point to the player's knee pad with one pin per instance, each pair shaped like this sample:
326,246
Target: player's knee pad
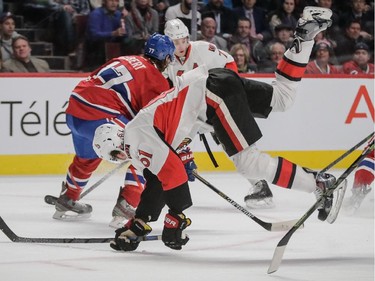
253,164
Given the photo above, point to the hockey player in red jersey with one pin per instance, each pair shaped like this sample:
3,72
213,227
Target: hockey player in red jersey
114,94
217,100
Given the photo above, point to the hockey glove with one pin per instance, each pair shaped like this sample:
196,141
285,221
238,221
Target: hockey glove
172,235
187,159
126,237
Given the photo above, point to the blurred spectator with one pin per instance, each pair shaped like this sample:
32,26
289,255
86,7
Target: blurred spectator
275,53
362,12
98,3
141,22
1,6
360,63
271,5
104,25
347,41
183,12
161,7
335,15
227,3
224,17
283,35
286,15
7,33
324,36
208,34
57,18
242,35
268,5
22,60
321,63
64,24
241,56
257,17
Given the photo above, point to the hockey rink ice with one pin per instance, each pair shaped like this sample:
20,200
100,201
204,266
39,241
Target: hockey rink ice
225,244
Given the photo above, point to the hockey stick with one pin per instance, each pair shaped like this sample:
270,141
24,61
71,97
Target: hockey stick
346,153
280,249
50,199
270,226
15,238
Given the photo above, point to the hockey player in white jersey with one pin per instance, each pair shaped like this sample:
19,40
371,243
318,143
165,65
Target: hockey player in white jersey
221,100
191,54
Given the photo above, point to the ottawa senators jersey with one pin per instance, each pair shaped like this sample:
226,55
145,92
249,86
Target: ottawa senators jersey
170,121
121,87
199,53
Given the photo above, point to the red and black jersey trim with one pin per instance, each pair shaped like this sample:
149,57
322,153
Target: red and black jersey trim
291,70
286,171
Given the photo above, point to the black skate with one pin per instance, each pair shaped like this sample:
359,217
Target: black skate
324,182
67,209
260,196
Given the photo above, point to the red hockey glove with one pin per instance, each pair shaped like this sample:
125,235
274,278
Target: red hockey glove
126,237
187,159
172,235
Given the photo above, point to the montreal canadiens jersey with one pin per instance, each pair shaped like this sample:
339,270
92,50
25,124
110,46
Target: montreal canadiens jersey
197,54
170,121
121,87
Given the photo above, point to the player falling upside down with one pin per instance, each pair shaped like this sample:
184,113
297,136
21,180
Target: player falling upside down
220,100
114,93
189,55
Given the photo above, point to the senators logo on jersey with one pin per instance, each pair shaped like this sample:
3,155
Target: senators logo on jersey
183,145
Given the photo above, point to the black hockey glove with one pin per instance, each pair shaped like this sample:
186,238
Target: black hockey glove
187,159
174,224
126,237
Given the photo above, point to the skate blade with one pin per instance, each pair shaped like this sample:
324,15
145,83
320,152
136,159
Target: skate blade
117,222
70,216
260,204
340,193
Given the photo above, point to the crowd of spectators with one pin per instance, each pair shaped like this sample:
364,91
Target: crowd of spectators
256,33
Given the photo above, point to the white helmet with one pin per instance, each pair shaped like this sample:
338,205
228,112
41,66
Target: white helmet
108,142
176,29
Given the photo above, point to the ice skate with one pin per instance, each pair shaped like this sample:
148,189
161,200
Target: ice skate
121,213
354,202
313,21
339,194
260,196
68,209
323,183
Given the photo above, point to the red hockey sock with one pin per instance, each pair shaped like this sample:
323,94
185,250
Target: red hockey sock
73,193
132,194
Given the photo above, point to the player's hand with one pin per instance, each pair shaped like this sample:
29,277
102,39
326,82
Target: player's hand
174,224
126,237
187,159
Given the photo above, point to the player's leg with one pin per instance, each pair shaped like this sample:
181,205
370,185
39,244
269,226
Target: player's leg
129,197
80,170
281,95
252,163
237,130
362,185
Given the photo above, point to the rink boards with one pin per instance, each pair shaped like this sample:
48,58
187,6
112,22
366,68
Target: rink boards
329,116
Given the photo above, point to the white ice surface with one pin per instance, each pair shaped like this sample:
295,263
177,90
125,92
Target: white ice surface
224,243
